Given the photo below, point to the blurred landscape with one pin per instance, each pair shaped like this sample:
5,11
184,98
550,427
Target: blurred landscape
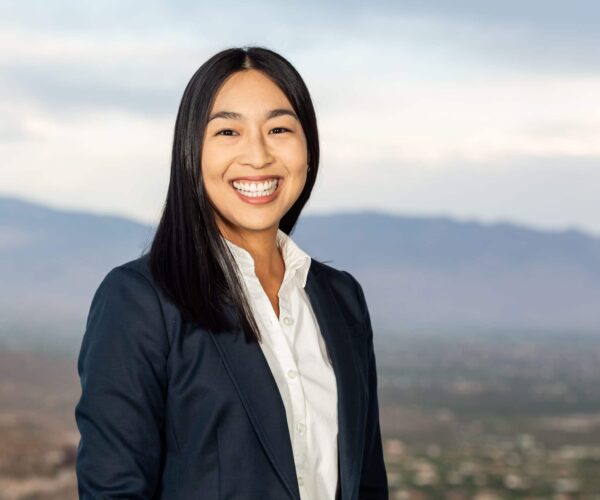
480,116
487,343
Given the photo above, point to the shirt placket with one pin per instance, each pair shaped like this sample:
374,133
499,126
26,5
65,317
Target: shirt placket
283,330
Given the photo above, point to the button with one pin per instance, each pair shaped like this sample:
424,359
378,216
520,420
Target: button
300,427
292,373
288,320
300,481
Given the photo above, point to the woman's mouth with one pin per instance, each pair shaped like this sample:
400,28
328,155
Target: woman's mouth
257,192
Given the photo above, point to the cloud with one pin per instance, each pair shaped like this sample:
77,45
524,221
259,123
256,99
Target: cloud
535,36
424,98
547,192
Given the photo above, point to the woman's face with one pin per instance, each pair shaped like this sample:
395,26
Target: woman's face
253,133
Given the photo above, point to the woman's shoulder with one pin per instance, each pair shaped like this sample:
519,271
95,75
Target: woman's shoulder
129,272
140,265
129,282
346,287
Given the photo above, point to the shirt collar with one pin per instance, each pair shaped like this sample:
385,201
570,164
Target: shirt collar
297,261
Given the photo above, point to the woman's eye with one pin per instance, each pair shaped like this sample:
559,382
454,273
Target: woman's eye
227,130
224,130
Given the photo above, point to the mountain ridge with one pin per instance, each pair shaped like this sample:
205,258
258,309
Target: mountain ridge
420,274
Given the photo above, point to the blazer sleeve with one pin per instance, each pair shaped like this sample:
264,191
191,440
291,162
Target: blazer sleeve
122,370
373,479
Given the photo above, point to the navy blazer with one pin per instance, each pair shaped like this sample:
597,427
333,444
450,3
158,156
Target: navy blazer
173,411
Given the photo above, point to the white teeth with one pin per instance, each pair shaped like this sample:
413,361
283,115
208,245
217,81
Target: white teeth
254,189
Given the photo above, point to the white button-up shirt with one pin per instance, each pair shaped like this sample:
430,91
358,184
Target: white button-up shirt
296,353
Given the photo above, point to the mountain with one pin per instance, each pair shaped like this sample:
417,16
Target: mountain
420,274
51,261
425,274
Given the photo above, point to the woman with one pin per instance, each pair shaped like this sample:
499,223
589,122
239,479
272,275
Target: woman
226,363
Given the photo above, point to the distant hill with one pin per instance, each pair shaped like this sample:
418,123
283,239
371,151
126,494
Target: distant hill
420,274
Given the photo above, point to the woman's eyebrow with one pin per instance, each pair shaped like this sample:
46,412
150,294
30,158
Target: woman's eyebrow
274,113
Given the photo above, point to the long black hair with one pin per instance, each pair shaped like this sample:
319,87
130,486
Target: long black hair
188,258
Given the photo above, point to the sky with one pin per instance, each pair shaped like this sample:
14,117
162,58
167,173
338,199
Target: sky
478,110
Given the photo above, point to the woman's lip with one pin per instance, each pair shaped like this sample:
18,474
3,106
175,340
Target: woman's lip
260,200
256,178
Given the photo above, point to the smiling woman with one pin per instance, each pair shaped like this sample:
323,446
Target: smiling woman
246,114
227,363
266,150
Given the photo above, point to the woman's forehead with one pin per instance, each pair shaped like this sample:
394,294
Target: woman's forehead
251,91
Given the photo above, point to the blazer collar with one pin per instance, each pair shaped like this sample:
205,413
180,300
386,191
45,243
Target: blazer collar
254,382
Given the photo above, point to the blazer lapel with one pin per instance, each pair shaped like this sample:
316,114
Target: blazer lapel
252,377
351,397
256,386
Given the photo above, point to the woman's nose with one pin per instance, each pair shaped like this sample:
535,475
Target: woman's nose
256,150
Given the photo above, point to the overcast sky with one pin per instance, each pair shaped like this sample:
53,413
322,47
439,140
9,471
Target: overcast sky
478,110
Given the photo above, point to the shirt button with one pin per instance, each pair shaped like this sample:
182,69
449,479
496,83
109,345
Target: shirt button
300,481
292,373
300,427
288,320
